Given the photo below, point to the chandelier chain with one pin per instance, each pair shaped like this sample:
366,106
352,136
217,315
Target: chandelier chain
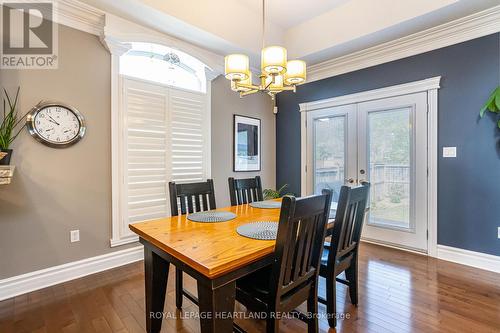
263,23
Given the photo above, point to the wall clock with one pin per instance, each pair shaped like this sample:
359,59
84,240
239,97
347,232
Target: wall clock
55,124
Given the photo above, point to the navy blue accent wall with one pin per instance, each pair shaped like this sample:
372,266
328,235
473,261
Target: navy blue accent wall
469,185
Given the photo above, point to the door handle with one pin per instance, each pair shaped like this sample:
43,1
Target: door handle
349,180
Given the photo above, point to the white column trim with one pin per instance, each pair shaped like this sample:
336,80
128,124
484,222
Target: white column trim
303,154
117,49
430,86
432,171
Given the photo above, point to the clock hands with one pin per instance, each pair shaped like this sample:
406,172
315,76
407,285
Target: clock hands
53,120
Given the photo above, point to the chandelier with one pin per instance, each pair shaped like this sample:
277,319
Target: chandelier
277,73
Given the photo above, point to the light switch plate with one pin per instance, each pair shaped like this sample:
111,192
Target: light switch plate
74,236
498,232
449,151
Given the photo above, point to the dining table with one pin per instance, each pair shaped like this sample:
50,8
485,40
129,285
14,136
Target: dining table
214,254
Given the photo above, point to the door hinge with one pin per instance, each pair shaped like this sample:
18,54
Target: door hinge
306,168
427,234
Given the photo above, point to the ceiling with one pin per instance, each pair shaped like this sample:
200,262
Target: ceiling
289,13
312,30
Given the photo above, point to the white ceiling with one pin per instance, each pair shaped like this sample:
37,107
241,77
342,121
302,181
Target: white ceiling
289,13
312,30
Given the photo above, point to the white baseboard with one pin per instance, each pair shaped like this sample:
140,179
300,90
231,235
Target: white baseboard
47,277
470,258
396,247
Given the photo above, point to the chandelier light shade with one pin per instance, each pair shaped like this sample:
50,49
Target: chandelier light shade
236,67
274,60
295,72
277,73
243,85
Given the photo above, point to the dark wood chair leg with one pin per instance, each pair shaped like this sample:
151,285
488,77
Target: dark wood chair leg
331,301
312,309
272,325
351,275
156,277
178,288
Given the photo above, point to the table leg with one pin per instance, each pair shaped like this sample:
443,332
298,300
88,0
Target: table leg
216,307
156,276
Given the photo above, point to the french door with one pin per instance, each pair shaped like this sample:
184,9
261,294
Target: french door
383,142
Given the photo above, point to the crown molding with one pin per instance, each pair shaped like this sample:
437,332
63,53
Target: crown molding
80,16
470,27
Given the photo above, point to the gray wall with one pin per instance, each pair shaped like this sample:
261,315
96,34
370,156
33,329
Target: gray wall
226,103
469,185
55,191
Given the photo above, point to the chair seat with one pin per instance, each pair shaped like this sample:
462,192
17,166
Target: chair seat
256,284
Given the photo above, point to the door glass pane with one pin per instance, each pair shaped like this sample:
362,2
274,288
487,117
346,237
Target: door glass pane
389,157
329,154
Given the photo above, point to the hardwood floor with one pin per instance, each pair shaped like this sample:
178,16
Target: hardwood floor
399,292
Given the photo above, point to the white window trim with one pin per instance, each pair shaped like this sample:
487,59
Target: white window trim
430,86
117,33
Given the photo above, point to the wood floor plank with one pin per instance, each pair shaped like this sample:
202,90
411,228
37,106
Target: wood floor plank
398,292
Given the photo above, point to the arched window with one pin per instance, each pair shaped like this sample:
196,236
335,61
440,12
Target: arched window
158,63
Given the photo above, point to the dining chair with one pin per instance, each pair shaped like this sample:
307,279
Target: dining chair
293,277
189,198
243,191
341,253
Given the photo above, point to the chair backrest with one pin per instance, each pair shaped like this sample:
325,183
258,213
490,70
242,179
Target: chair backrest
299,243
243,191
191,197
348,221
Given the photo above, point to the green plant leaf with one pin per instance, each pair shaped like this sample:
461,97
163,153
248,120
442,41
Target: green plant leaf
488,102
10,120
497,98
492,107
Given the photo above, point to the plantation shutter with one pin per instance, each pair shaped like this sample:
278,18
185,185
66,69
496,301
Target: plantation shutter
146,146
188,136
166,139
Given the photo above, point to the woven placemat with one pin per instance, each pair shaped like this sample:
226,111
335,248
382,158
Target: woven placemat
268,204
211,216
261,230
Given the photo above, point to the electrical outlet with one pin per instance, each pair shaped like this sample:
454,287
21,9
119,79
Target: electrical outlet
449,151
74,236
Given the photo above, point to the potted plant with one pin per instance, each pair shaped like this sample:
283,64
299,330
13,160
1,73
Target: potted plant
492,104
275,194
8,125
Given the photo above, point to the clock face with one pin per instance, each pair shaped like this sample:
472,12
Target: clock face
56,125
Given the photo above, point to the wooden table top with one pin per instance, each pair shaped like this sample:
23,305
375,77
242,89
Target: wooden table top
213,249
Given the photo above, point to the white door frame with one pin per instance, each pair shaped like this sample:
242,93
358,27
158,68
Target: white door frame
430,86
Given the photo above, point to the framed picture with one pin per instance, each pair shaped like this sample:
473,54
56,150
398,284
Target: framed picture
246,154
